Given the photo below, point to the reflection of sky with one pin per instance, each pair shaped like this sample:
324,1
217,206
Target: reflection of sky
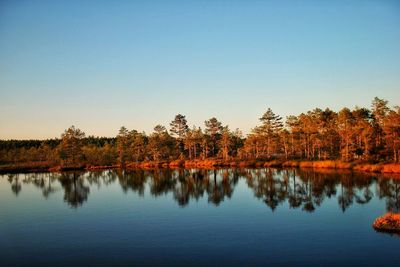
99,65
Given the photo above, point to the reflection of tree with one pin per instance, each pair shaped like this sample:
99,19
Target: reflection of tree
269,187
294,191
345,199
48,188
308,189
100,178
303,189
191,184
15,183
313,189
308,197
354,187
43,181
133,180
393,202
220,184
366,196
75,191
162,182
390,190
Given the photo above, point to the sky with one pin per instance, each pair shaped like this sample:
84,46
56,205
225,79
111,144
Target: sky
100,65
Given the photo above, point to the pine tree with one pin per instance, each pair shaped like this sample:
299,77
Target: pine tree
71,145
179,128
123,145
270,128
213,129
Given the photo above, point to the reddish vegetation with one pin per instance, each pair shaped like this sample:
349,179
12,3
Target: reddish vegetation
390,222
306,164
325,164
391,168
369,167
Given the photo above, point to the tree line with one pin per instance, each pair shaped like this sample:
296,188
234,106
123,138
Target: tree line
349,134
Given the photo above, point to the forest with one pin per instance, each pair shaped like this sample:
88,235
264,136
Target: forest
368,135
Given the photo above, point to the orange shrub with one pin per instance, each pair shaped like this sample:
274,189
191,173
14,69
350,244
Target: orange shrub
325,164
390,222
368,167
177,163
344,165
291,163
306,164
249,163
393,168
273,163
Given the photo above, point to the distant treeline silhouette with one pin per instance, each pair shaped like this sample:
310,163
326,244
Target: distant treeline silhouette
360,134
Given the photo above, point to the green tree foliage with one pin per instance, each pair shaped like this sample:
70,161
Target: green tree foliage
138,145
106,155
179,129
179,126
161,145
391,131
123,144
270,128
345,126
71,146
193,141
213,129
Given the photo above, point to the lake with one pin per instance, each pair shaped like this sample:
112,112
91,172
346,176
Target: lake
223,217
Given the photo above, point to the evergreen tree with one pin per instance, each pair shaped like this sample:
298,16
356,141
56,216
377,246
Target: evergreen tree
123,146
71,145
271,126
213,129
179,128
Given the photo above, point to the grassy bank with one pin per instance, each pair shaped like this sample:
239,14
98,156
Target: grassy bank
214,163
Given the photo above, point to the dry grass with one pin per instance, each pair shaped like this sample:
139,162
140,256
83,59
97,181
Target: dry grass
390,222
175,163
388,168
306,164
330,164
248,163
368,167
391,168
273,163
344,165
291,163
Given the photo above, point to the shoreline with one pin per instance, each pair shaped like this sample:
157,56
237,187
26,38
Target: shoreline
385,168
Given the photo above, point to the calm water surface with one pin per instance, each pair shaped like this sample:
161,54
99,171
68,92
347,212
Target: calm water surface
227,217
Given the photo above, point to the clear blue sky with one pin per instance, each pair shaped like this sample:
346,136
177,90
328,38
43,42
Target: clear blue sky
99,65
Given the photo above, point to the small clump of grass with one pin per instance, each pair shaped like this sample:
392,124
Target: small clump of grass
390,222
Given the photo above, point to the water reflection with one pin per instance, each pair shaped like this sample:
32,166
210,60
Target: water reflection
75,191
274,187
15,183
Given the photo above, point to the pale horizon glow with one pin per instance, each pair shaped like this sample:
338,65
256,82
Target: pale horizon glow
100,65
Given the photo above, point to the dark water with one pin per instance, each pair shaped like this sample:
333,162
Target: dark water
229,217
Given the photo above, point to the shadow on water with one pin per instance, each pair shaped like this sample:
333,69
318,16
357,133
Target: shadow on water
301,189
